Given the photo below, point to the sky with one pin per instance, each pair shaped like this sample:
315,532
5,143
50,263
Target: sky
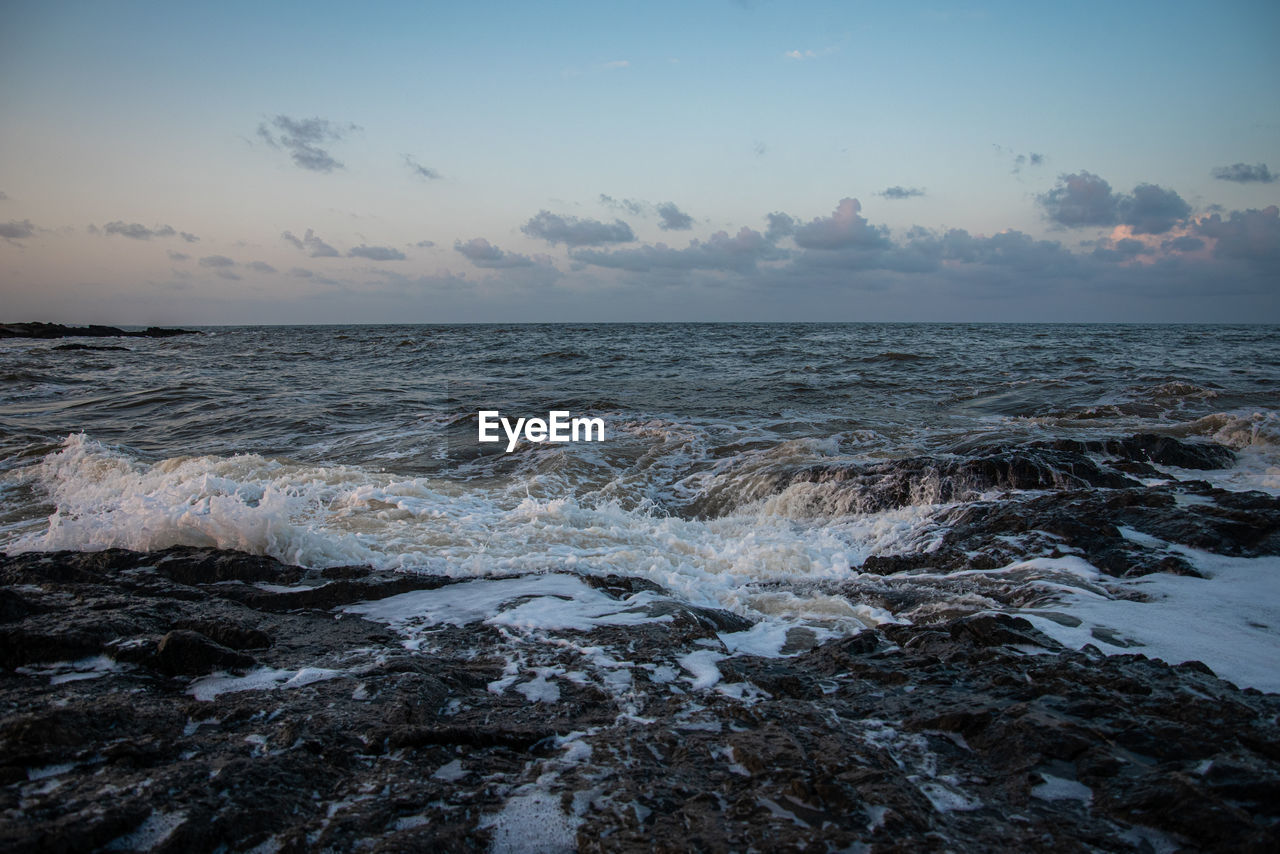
238,163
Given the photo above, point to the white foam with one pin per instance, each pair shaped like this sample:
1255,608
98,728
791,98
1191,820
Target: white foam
1255,435
540,689
947,798
1061,789
336,515
701,666
450,772
265,678
532,821
553,601
93,667
1230,621
49,771
154,831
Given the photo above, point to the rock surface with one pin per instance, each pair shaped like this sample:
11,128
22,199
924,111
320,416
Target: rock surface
321,730
972,472
57,330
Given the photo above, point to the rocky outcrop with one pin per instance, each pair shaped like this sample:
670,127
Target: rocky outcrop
972,472
990,534
196,700
57,330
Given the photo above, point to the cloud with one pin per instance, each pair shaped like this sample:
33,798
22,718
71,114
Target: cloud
843,229
673,219
801,55
303,273
617,63
178,256
1020,160
1185,243
1083,199
17,230
260,267
901,192
312,245
425,244
303,138
482,253
1122,250
1252,236
631,206
4,197
780,225
421,171
739,253
574,232
924,252
376,253
1013,249
1243,173
1152,210
221,266
1080,199
138,231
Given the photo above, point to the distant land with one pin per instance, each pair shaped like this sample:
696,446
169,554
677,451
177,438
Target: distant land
57,330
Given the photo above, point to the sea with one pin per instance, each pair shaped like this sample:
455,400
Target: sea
336,445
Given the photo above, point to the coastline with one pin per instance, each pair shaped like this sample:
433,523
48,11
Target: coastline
271,713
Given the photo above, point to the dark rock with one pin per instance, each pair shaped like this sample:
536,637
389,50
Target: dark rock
228,634
14,606
90,347
209,566
1152,448
901,738
1060,465
1087,521
184,652
57,330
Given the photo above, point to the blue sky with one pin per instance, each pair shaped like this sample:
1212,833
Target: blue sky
609,161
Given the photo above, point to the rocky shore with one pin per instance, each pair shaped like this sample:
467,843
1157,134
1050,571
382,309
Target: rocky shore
57,330
203,700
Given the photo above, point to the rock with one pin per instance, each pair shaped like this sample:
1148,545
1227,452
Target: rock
228,634
1161,450
946,736
57,330
184,652
81,347
208,566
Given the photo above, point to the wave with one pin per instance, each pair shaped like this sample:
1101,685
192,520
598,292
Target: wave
322,516
895,356
1235,429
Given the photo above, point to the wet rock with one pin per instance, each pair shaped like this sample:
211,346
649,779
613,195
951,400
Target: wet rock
1152,448
81,347
1089,522
931,480
968,734
184,652
57,330
209,566
228,634
972,472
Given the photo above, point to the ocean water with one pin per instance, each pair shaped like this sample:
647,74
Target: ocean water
335,445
